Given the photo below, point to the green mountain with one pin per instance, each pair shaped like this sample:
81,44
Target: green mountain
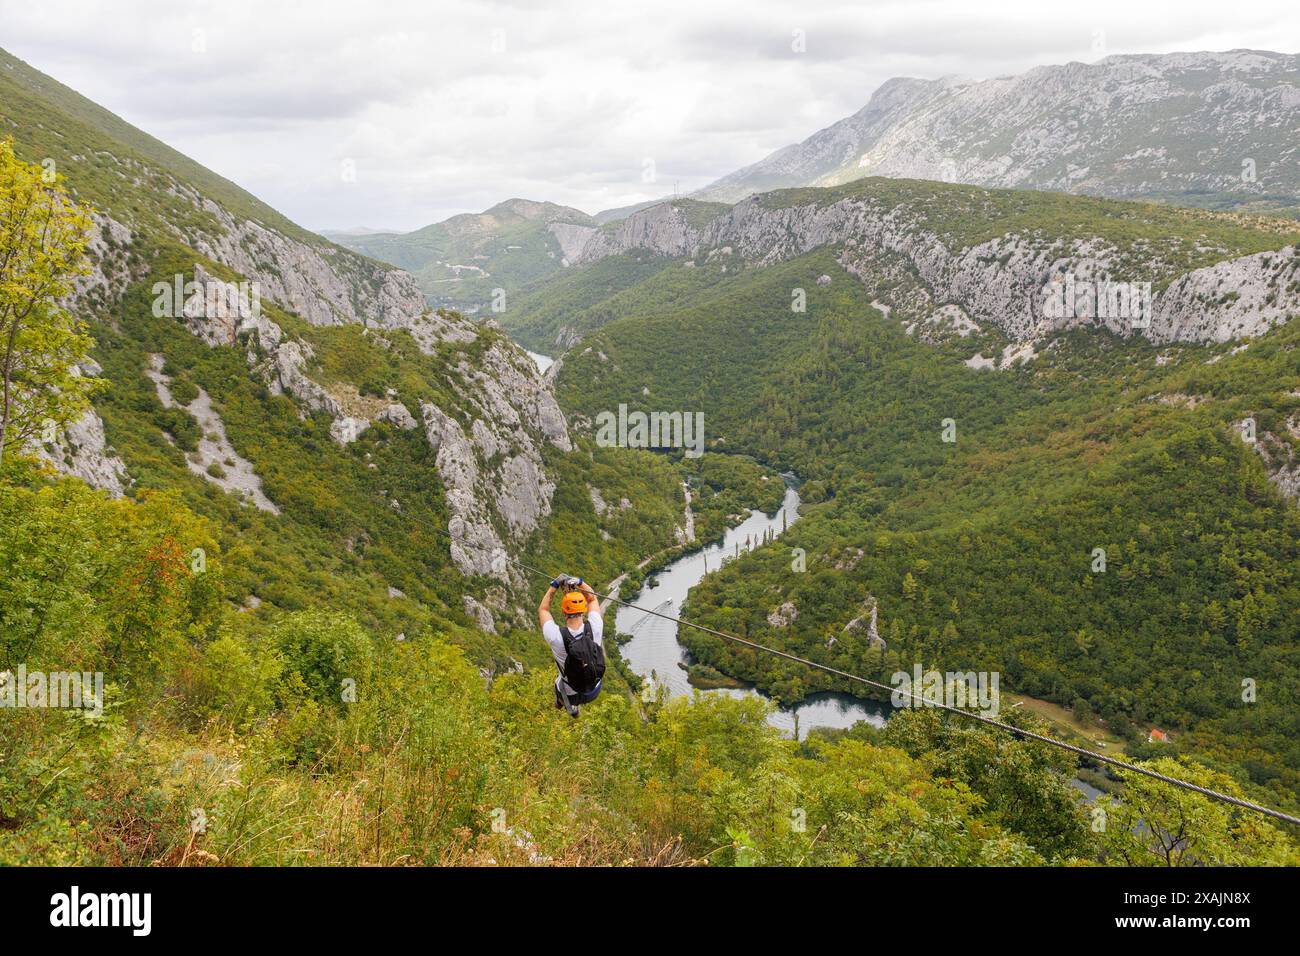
986,259
461,262
280,539
1072,436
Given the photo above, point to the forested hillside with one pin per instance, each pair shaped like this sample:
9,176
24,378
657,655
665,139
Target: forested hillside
475,262
288,541
980,552
952,257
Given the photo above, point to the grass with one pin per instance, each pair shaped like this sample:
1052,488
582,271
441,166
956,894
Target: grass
1108,743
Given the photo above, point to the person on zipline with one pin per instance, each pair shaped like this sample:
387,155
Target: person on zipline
578,647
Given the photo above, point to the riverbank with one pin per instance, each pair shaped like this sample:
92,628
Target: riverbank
653,652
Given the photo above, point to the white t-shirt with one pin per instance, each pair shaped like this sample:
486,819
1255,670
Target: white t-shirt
551,631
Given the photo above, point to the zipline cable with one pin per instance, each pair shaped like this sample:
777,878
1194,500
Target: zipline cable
1016,731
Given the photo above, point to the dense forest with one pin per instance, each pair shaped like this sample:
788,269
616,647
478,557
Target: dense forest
309,684
232,737
981,553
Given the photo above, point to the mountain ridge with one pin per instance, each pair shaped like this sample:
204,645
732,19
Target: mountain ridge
994,254
1127,126
471,260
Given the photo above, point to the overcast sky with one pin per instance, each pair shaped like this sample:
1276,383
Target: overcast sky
445,107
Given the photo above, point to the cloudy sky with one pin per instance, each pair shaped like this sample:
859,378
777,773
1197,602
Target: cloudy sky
399,113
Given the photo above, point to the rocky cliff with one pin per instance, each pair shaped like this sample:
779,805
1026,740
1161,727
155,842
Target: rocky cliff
1201,290
152,205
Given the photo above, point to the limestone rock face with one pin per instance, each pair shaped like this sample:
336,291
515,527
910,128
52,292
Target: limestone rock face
479,614
1193,308
400,416
663,228
571,237
865,625
497,489
110,266
1281,462
488,435
324,284
284,371
82,452
215,460
1075,127
347,429
488,448
476,547
1005,282
784,616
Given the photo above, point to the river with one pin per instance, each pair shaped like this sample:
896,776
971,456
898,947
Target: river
655,652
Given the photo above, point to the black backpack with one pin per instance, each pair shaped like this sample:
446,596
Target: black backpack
584,664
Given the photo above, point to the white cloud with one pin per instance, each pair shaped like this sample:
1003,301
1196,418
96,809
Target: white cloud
451,107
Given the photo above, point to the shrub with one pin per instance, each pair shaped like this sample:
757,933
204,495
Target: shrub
325,649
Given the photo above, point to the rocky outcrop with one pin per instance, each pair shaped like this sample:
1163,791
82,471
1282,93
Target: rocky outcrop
664,228
784,616
864,625
285,375
215,460
81,451
324,283
571,237
498,491
110,268
476,546
479,614
346,430
1281,459
506,390
1240,298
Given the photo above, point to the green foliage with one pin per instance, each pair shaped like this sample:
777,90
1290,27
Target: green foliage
43,236
228,679
577,301
1159,825
979,552
326,650
91,582
459,263
245,753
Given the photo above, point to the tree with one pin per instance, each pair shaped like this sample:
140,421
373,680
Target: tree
43,235
1156,824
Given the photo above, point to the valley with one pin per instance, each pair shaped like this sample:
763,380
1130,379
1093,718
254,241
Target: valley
301,521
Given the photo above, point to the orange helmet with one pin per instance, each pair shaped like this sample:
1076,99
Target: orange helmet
574,602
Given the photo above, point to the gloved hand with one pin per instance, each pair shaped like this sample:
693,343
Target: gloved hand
555,583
